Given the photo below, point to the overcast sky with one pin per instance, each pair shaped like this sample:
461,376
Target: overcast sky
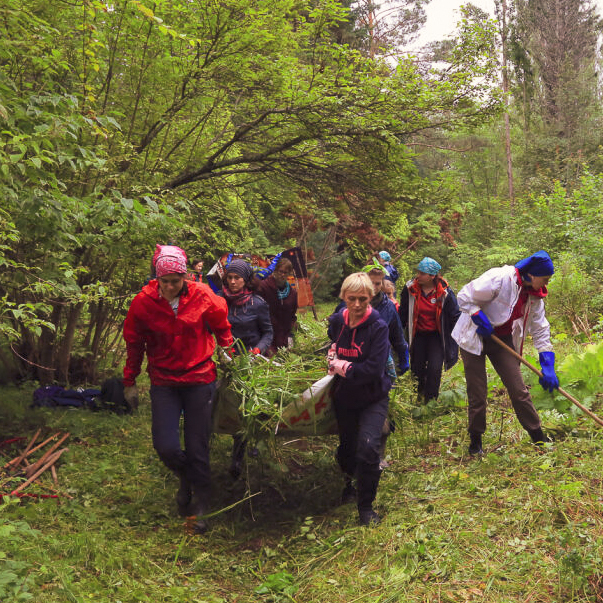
443,15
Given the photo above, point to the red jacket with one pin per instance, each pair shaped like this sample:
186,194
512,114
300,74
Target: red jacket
179,348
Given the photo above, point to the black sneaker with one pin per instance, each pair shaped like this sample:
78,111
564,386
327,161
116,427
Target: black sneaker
475,447
198,508
183,497
538,437
368,517
348,494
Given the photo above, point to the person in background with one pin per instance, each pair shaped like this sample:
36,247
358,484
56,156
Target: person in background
508,302
358,360
259,272
428,311
251,327
389,314
248,313
169,320
385,259
197,274
281,298
390,291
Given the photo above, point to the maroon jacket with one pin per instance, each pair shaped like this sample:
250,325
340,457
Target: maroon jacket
282,311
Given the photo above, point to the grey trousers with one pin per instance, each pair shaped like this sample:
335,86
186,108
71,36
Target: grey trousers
508,368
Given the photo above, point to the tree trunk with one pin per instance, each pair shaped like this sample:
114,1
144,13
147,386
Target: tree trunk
64,356
47,372
505,83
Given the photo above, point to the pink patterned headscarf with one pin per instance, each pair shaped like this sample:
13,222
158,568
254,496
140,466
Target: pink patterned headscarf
169,259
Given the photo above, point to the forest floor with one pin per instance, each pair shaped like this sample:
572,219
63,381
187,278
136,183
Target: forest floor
518,524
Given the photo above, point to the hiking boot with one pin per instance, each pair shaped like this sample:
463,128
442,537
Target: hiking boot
197,508
538,436
200,526
348,494
183,497
238,455
368,517
475,446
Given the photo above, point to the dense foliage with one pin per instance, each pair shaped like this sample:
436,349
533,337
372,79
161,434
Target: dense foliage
243,125
217,126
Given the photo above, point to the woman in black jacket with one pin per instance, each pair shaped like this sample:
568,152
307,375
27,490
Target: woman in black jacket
250,326
248,313
358,359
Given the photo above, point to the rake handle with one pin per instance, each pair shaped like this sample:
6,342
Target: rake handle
573,400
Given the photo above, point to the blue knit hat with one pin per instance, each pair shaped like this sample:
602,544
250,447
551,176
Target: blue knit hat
538,264
240,267
385,256
429,266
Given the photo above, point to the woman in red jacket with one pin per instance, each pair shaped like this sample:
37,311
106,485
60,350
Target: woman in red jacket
169,320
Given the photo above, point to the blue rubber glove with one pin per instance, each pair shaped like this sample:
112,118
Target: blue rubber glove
403,362
484,326
549,379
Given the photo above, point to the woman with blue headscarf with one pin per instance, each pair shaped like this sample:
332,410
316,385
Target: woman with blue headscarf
385,259
507,302
428,311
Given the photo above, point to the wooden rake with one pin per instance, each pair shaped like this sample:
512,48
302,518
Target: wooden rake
573,400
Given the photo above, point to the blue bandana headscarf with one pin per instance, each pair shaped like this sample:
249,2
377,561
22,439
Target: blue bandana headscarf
429,266
538,264
385,256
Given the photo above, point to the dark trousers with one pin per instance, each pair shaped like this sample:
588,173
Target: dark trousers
508,368
426,360
195,402
359,441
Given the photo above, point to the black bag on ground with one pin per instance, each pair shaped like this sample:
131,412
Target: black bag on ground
112,396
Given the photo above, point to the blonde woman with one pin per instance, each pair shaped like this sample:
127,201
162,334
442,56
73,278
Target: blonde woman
358,359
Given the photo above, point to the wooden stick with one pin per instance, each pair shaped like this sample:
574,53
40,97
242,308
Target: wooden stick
573,400
52,437
51,460
24,453
51,489
32,450
53,472
34,467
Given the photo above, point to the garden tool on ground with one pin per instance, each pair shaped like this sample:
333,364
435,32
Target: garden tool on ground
573,400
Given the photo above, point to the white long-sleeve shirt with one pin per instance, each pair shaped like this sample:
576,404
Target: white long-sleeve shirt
496,292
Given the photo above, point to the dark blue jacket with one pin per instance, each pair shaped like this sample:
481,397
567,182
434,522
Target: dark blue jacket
367,348
251,323
387,310
392,273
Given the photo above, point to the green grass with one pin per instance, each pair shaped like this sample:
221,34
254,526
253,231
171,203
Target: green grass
521,524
